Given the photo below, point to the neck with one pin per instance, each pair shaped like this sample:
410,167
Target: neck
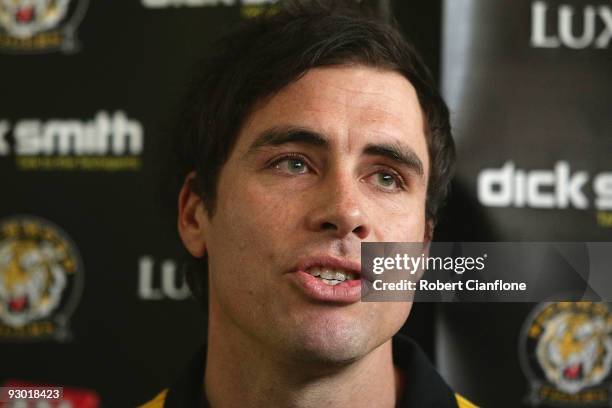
240,371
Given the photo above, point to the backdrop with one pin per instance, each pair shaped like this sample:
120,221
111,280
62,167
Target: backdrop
91,291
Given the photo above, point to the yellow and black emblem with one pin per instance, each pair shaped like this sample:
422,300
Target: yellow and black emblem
41,279
566,351
35,26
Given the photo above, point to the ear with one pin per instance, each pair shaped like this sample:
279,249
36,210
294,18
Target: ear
192,218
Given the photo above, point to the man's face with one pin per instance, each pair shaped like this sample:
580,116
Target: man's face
337,158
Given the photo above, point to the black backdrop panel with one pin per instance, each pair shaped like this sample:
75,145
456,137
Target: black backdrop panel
87,100
85,106
81,133
528,84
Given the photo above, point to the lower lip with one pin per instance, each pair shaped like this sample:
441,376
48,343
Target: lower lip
344,292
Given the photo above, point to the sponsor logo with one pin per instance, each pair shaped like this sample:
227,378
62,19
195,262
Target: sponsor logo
36,26
41,279
248,8
577,28
162,281
203,3
561,187
566,353
108,142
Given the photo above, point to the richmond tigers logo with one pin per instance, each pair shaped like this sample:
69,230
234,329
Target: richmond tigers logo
575,351
39,25
24,18
40,279
567,353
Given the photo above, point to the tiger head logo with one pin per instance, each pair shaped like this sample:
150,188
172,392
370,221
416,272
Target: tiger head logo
31,281
26,18
41,280
575,350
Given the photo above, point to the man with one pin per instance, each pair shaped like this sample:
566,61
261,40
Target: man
314,129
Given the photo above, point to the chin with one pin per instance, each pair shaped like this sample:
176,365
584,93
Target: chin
334,355
333,345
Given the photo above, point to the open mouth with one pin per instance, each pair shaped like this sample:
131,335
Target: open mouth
328,279
331,284
331,276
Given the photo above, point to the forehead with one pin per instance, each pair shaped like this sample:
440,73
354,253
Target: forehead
352,105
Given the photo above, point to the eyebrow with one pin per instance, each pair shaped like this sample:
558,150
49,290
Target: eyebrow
284,135
402,155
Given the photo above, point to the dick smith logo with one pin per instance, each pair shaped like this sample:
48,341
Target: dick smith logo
106,142
589,26
561,187
202,3
105,134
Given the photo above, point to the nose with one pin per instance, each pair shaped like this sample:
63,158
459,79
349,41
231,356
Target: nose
339,210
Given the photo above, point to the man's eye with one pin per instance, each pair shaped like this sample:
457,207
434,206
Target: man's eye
292,165
386,181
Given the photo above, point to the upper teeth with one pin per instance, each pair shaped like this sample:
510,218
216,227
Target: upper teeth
331,274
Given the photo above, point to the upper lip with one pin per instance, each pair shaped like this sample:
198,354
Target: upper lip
331,262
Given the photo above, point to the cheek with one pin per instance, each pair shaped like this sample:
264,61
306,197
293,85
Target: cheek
251,212
250,227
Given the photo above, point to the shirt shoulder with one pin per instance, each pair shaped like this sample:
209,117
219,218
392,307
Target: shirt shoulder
463,403
157,402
